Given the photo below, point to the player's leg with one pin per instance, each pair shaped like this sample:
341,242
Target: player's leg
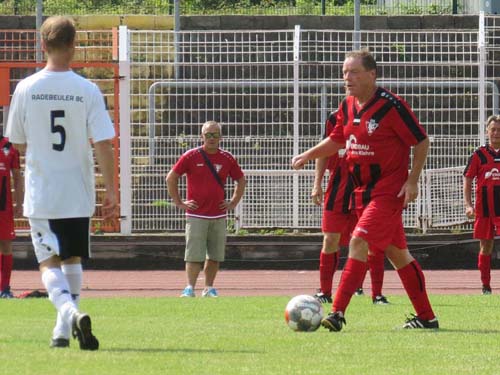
376,266
484,264
328,263
216,248
6,264
7,234
413,280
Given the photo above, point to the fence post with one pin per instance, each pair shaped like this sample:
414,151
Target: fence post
482,76
296,119
125,146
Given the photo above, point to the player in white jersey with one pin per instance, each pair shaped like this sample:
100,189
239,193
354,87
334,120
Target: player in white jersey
54,116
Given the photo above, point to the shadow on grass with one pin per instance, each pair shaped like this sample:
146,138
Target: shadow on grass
181,350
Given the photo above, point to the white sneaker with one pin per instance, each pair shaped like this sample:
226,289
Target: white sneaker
209,292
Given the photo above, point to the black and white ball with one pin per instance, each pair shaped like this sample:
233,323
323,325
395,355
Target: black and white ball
303,313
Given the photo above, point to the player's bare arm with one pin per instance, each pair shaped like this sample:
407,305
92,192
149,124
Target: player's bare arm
173,190
237,195
410,187
105,160
319,172
325,148
469,207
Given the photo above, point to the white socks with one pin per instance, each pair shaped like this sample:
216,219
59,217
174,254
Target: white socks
60,292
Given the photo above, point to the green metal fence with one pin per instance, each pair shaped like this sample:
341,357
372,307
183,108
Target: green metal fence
244,7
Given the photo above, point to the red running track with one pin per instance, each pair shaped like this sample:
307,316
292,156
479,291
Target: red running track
246,283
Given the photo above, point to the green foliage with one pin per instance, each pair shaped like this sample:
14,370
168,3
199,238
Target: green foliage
248,335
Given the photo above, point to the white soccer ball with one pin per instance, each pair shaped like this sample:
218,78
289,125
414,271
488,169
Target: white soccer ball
303,313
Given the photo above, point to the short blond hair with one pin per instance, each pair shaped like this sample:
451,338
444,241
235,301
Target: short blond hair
58,33
492,118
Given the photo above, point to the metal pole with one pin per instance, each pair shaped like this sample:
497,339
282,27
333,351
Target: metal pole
323,7
39,21
455,7
357,27
177,28
296,119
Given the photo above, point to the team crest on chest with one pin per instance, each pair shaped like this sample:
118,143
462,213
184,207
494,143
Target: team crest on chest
371,126
6,151
218,167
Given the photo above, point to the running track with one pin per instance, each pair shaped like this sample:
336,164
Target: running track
246,283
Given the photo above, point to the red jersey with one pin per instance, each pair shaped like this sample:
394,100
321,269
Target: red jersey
378,139
484,165
9,159
202,185
340,185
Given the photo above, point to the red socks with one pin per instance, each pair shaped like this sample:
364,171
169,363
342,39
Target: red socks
352,276
328,264
6,262
376,262
484,266
413,281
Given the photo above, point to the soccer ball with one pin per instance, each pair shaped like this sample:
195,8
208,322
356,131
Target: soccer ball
303,313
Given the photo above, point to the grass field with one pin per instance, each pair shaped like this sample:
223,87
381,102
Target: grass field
248,335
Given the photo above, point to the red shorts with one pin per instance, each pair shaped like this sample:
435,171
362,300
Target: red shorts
333,222
381,224
486,228
7,226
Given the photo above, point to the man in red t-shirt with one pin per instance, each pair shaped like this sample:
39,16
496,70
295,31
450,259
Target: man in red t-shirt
378,129
9,165
484,166
207,168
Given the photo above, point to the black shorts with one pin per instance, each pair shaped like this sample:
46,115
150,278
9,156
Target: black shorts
65,238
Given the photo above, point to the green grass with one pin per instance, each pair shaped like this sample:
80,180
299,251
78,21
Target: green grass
248,335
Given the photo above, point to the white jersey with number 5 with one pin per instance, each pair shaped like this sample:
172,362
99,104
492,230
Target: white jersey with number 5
57,114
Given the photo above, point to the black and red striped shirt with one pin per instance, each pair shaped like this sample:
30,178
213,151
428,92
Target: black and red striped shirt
378,139
484,165
340,185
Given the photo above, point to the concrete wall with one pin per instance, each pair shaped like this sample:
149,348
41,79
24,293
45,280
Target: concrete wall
257,22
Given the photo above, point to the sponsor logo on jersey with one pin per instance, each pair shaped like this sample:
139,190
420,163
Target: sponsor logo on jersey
371,126
356,148
200,165
494,174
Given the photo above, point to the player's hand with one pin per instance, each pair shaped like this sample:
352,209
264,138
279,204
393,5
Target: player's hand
227,205
317,195
110,206
299,161
188,205
469,212
409,191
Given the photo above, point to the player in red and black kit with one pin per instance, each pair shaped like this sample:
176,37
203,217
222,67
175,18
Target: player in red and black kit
484,166
378,129
338,222
9,166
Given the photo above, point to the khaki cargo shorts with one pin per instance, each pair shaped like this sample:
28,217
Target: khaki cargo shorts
205,239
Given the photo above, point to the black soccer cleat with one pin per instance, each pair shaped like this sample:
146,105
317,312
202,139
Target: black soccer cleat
380,300
334,321
59,343
416,323
322,297
486,290
82,330
359,292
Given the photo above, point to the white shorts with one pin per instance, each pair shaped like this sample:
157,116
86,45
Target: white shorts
64,238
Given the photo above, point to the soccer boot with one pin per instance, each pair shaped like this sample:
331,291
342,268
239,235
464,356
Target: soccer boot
380,300
415,323
359,292
334,321
59,342
6,293
486,290
82,330
322,297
